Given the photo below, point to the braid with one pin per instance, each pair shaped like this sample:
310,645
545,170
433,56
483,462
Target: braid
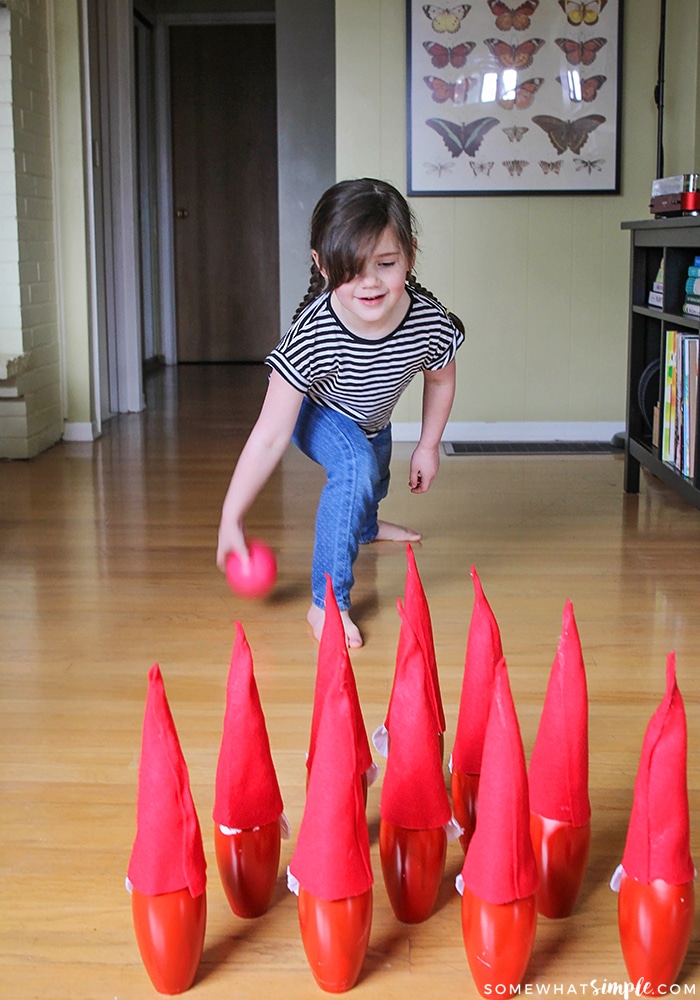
414,283
317,284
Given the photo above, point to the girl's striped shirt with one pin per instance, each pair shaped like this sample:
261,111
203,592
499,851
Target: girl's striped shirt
358,377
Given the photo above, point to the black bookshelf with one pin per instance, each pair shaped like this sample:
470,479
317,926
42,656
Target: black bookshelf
675,242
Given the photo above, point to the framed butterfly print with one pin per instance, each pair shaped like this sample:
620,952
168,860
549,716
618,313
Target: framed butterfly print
514,99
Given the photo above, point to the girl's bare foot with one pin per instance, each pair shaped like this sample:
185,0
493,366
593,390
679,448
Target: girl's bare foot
389,532
316,617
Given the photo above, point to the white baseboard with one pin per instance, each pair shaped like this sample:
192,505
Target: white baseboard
75,431
583,430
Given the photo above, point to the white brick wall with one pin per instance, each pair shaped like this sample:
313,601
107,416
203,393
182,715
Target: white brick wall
33,419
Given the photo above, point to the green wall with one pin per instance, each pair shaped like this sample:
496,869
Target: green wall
541,282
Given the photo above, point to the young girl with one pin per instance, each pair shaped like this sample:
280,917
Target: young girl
359,337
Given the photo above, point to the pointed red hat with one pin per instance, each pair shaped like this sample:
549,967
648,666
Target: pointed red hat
658,836
414,795
418,612
484,651
500,864
558,775
334,661
331,859
247,790
168,854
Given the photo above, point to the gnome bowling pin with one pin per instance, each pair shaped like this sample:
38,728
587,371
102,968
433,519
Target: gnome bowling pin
499,877
484,651
248,818
330,869
558,778
414,809
334,660
167,868
655,880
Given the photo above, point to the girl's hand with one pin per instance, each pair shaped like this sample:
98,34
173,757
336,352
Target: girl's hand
424,468
231,539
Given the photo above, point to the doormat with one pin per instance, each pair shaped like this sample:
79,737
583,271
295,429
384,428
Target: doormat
531,448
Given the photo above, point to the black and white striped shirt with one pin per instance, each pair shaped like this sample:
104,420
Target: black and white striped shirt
358,377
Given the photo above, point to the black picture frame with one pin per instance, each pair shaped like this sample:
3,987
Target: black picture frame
514,100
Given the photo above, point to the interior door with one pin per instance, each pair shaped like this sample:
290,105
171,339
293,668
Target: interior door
224,140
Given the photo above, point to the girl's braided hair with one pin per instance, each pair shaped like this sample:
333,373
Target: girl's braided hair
346,225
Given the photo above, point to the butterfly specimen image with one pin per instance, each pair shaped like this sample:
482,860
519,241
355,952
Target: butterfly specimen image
571,135
444,91
481,167
513,17
443,55
550,167
461,138
578,88
580,53
438,168
446,19
582,11
516,132
521,96
514,56
515,167
589,165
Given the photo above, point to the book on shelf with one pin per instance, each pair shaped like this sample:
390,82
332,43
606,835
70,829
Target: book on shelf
669,405
681,353
691,303
655,299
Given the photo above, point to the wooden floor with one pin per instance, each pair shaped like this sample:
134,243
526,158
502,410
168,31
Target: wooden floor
107,566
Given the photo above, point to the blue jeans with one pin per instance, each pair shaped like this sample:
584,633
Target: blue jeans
357,478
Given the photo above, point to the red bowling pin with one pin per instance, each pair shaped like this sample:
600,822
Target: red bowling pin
167,868
483,653
248,805
330,868
334,662
499,876
418,611
560,810
414,809
655,880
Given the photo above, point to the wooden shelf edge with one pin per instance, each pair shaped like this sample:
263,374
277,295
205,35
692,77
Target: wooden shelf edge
667,473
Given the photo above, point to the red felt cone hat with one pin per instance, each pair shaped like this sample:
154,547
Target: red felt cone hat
331,859
414,795
558,775
418,612
247,791
500,865
333,662
168,854
484,651
658,836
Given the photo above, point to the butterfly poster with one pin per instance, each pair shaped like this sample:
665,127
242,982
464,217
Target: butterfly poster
520,98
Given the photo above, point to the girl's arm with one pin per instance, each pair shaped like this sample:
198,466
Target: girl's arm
262,451
438,395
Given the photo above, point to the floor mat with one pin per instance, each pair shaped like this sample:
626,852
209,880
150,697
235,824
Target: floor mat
531,448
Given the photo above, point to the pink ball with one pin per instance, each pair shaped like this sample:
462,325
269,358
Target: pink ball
256,578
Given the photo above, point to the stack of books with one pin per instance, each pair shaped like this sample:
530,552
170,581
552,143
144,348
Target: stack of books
691,305
678,444
656,295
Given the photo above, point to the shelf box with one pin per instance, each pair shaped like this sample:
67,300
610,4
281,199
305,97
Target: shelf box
671,245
